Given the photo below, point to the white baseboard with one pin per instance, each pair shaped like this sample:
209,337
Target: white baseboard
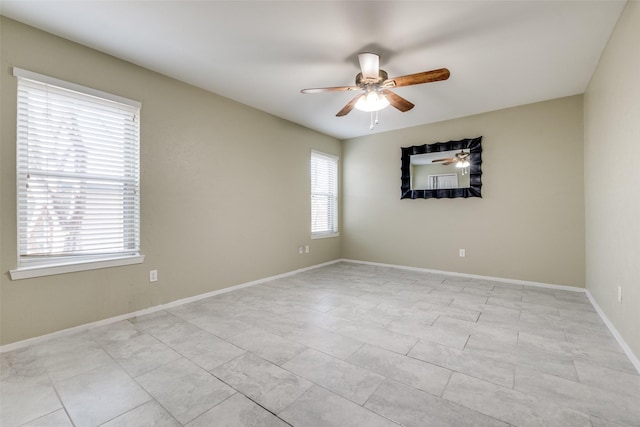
80,328
632,357
472,276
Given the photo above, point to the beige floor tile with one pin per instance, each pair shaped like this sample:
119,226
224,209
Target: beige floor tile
512,406
407,370
205,349
485,368
327,342
58,418
263,382
343,378
147,414
97,396
184,389
269,346
141,354
24,399
617,407
413,408
318,407
237,411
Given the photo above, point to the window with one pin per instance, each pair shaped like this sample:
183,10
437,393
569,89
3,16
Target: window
324,195
443,181
78,177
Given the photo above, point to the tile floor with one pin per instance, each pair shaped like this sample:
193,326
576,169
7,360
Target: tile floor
343,345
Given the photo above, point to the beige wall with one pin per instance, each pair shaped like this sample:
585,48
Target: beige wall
225,193
529,225
612,178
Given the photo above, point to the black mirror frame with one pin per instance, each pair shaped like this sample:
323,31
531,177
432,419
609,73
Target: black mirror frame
474,145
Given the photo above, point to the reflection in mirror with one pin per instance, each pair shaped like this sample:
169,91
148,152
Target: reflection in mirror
442,170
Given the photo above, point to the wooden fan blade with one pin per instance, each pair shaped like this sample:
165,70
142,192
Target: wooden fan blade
347,108
448,159
397,101
450,162
418,78
329,89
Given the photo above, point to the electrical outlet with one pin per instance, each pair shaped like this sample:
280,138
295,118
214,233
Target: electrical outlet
306,249
619,294
462,253
301,250
153,276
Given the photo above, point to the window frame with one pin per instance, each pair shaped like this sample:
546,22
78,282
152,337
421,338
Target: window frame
28,267
335,212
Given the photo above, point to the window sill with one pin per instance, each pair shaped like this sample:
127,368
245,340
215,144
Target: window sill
49,270
324,235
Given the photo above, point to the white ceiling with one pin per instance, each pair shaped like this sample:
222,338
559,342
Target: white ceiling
261,53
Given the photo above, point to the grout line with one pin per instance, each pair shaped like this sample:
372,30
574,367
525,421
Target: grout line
374,391
267,409
444,389
466,342
64,407
412,347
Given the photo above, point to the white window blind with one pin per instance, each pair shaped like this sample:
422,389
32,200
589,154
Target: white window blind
443,181
78,173
324,195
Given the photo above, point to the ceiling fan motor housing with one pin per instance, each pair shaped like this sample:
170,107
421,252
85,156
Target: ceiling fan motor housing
363,82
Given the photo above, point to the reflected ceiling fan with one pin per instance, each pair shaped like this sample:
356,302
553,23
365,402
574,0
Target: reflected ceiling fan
375,85
462,156
461,160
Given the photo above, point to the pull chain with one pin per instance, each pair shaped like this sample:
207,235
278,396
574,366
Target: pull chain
373,122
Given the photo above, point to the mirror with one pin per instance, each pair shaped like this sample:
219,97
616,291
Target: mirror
442,170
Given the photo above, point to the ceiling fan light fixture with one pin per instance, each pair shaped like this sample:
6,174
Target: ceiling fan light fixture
464,165
372,101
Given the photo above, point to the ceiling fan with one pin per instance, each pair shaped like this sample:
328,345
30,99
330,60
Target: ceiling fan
461,157
376,84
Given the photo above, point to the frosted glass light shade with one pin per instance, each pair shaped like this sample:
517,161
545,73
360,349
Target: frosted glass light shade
372,101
